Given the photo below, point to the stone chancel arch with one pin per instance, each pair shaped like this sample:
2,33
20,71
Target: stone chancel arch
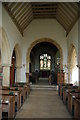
39,41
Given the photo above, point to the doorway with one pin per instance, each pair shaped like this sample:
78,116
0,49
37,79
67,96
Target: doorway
13,69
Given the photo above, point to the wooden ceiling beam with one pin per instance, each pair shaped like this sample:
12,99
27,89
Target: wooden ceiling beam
12,5
67,10
26,18
63,18
9,3
26,22
65,13
44,7
62,12
23,11
28,10
71,9
12,17
75,6
41,3
62,22
73,23
20,8
54,10
44,14
44,17
26,15
16,7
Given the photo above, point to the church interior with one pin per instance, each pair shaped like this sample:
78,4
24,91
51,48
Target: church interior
39,60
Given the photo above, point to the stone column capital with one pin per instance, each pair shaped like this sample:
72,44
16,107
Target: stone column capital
18,67
6,65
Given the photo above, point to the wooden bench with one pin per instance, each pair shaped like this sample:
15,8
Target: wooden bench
17,95
62,87
71,97
8,106
66,91
0,108
77,108
21,89
27,85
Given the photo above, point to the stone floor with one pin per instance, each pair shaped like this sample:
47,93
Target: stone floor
43,103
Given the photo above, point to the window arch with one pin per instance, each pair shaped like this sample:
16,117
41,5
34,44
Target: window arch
45,62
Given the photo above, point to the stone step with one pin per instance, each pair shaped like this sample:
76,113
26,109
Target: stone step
47,87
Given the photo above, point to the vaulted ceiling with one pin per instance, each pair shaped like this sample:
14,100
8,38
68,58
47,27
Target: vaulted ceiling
22,13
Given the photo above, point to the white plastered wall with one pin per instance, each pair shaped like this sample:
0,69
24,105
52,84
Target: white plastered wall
45,28
72,40
11,38
0,24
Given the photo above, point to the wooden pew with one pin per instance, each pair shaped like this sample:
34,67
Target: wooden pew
66,91
71,96
21,89
23,86
23,92
0,107
8,106
27,85
17,95
64,87
77,108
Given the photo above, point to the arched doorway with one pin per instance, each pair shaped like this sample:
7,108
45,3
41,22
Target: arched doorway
73,70
16,61
35,47
13,69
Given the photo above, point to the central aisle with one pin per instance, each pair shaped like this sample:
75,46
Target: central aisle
43,103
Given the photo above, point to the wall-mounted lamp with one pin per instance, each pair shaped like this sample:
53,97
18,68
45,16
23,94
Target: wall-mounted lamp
78,66
23,65
13,57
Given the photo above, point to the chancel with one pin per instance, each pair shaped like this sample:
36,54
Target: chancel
39,59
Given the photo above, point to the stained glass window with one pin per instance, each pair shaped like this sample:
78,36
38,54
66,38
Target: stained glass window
45,62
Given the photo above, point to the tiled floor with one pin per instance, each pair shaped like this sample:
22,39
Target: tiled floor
43,103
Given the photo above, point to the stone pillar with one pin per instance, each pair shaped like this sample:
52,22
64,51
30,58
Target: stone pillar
79,46
18,73
69,74
6,74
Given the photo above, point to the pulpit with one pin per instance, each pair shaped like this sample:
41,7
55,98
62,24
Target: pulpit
60,77
27,77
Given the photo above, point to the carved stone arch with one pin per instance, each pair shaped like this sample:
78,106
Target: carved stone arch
18,54
39,41
72,47
5,49
72,52
0,43
5,58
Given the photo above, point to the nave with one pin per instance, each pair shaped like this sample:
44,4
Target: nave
39,50
43,103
